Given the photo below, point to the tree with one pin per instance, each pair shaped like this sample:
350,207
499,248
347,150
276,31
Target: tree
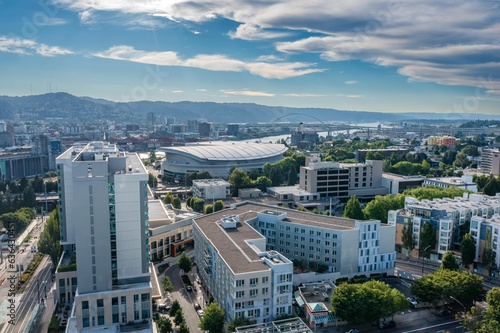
449,261
353,209
491,186
213,319
151,180
262,183
49,242
468,248
209,209
378,208
218,205
427,238
29,197
37,184
176,306
241,321
197,204
164,325
177,203
440,285
185,263
367,302
167,284
183,328
168,199
374,155
179,317
407,237
239,179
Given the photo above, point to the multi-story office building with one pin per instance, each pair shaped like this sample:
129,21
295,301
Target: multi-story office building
243,254
104,221
445,215
485,232
342,180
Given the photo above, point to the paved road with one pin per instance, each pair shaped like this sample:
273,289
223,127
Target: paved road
186,298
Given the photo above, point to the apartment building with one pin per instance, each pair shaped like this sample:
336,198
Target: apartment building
244,254
485,232
445,215
104,222
342,180
490,161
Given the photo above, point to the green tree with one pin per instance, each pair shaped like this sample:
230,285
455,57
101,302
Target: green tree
468,248
374,155
177,203
185,263
378,208
440,285
218,205
176,306
239,179
449,261
167,284
427,238
179,317
262,183
183,328
213,319
367,302
49,242
168,199
353,209
407,237
29,197
241,321
152,180
209,209
164,325
491,186
20,221
197,204
37,184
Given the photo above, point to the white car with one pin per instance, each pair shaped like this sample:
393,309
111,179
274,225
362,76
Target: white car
412,300
200,313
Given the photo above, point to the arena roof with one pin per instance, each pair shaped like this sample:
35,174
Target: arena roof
228,151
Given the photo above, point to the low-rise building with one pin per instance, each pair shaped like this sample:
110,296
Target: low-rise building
211,189
398,183
464,182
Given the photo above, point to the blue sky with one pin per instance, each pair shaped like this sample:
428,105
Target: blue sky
372,55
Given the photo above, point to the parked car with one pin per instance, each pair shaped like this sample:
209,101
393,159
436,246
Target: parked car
197,306
200,313
387,324
412,300
189,288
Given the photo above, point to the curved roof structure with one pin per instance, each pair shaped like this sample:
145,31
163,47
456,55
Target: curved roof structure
228,151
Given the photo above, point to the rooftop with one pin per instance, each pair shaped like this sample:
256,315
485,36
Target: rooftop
292,325
228,151
232,243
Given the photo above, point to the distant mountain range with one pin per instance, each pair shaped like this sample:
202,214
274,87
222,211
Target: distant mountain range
68,108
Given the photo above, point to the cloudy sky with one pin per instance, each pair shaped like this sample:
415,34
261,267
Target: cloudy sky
426,55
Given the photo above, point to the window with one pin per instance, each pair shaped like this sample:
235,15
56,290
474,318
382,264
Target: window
265,291
100,303
254,281
265,279
254,292
85,305
240,294
240,283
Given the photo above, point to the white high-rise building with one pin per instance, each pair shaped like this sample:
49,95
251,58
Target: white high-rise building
104,226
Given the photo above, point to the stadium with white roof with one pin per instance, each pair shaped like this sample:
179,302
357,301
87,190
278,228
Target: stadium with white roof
217,158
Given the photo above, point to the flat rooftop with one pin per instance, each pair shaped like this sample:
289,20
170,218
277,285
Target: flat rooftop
231,245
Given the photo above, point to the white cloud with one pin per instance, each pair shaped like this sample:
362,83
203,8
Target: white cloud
451,42
212,62
253,32
351,82
51,21
248,93
495,92
349,95
85,16
303,95
177,91
201,90
29,47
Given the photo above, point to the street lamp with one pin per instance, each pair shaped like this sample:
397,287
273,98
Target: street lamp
465,311
423,258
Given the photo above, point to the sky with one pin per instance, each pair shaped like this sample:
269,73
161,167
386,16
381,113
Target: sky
367,55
